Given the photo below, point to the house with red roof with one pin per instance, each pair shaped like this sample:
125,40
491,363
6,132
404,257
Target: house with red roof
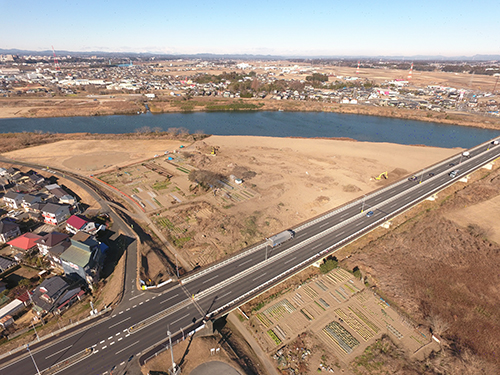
76,223
25,242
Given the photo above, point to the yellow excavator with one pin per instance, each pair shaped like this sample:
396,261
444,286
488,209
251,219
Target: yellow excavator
385,175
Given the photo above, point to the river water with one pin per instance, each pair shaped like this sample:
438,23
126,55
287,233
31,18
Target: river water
273,124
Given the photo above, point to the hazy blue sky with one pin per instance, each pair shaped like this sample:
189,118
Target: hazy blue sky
316,27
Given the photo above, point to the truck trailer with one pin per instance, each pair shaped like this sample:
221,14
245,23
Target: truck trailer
279,238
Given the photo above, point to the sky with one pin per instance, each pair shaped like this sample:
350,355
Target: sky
288,28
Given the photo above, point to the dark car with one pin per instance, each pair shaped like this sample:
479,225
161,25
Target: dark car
431,174
451,164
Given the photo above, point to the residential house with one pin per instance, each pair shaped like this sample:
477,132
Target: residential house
60,194
54,253
55,213
25,242
50,240
8,230
47,296
82,260
6,264
13,199
36,179
76,223
29,200
11,308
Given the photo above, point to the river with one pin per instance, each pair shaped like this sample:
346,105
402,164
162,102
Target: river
272,124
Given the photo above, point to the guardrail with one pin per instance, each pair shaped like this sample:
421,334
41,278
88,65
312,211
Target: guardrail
67,362
158,316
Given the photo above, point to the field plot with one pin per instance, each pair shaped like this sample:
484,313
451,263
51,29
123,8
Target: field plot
341,314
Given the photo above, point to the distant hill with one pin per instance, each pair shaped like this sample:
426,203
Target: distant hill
212,56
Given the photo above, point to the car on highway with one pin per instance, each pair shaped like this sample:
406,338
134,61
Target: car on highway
412,178
494,143
431,174
369,214
454,173
451,164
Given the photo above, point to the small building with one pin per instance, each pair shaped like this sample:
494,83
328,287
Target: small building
6,264
75,223
82,260
8,230
55,213
47,294
29,200
13,199
11,308
6,321
50,240
25,242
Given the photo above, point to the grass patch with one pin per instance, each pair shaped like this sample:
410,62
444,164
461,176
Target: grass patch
160,185
233,107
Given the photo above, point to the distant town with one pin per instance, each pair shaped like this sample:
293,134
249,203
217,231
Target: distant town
350,82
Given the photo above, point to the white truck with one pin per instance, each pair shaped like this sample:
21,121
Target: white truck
279,238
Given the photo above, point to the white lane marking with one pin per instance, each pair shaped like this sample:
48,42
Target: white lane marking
104,347
102,342
241,264
344,215
130,299
121,364
339,234
118,352
109,338
134,306
290,260
228,293
96,351
94,345
318,245
127,335
147,300
120,322
118,333
175,321
258,277
324,225
153,297
358,224
120,339
113,316
168,299
141,303
128,309
125,330
206,281
121,312
113,343
62,350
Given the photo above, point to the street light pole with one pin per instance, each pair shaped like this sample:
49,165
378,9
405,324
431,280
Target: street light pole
33,359
36,333
363,205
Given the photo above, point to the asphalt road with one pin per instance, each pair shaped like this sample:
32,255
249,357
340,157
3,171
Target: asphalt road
217,290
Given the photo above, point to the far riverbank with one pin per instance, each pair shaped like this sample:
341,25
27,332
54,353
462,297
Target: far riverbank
123,105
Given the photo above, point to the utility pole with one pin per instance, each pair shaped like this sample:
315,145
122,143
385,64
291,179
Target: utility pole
33,359
175,370
363,205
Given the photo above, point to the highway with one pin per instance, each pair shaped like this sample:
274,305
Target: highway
130,331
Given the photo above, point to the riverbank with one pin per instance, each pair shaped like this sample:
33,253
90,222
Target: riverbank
125,105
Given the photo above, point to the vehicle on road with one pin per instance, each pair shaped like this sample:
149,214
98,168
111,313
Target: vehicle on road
431,174
369,214
412,178
454,173
494,143
279,238
451,164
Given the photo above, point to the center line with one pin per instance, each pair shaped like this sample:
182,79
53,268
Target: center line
249,260
175,321
168,299
258,277
118,352
62,350
119,322
289,260
206,281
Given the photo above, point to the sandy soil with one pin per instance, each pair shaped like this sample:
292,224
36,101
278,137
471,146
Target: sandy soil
94,156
